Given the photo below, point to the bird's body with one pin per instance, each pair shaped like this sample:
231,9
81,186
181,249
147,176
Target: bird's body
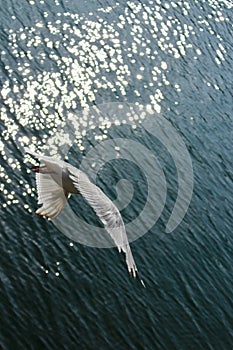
56,180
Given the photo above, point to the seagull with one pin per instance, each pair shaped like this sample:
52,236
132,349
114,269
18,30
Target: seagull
56,180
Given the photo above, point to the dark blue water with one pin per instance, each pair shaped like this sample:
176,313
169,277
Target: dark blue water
60,57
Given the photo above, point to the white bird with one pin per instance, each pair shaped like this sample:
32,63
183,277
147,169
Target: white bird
56,180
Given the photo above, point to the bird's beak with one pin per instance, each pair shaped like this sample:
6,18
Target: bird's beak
35,168
38,169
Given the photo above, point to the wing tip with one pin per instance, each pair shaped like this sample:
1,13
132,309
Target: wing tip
142,283
135,274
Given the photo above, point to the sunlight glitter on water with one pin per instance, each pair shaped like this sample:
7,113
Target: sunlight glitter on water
90,56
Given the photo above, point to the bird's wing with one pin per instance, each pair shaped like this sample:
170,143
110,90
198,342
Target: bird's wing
107,212
50,195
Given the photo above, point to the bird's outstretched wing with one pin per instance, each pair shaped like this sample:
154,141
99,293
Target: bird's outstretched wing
52,196
107,212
